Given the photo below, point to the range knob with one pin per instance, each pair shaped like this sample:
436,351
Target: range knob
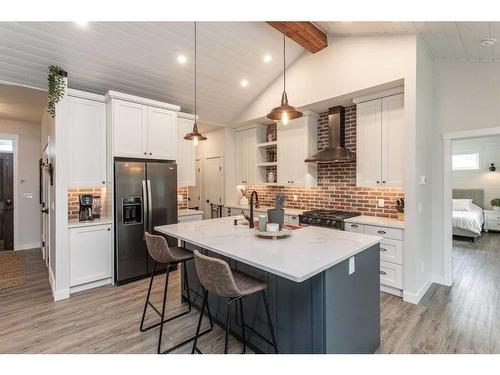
309,219
327,222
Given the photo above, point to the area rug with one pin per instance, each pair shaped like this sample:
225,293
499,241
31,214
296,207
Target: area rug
12,271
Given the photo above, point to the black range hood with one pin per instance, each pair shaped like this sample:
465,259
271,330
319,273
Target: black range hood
335,152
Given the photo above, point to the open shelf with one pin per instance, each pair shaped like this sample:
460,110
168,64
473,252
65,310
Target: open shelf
267,164
268,144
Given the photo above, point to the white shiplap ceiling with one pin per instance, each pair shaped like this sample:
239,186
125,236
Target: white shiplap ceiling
444,40
140,58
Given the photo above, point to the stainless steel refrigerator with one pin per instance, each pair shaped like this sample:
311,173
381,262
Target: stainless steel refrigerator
145,196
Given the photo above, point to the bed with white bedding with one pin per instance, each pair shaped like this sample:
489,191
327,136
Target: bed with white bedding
468,215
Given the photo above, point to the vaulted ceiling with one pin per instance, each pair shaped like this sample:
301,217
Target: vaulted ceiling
141,57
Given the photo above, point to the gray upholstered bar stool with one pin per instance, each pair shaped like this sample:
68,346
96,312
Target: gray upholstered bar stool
217,278
162,253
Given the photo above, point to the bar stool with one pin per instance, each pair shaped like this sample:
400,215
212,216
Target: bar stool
161,253
217,278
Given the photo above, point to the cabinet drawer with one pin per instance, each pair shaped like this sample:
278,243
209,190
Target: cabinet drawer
352,227
188,218
391,274
292,219
395,234
493,216
391,251
493,224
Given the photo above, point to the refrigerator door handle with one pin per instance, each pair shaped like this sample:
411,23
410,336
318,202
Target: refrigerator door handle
144,207
150,208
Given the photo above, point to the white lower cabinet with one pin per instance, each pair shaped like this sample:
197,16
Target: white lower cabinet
89,254
188,218
391,255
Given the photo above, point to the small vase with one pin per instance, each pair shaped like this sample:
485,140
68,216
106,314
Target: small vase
269,137
270,177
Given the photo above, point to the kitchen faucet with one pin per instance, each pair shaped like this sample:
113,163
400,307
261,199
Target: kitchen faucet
250,217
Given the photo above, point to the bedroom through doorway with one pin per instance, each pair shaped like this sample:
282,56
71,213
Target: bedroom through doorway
475,182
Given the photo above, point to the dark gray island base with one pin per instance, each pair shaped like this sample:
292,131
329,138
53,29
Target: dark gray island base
331,312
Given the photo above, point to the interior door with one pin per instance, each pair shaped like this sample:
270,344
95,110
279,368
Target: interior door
194,192
6,201
369,144
162,134
214,183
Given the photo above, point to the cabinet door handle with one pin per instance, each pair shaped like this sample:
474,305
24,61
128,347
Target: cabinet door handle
378,182
381,232
383,182
383,249
354,225
294,217
103,182
109,229
150,153
382,273
145,153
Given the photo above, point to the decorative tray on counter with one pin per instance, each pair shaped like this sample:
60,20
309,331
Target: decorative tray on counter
283,233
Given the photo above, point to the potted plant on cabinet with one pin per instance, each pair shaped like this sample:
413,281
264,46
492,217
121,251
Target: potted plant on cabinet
495,203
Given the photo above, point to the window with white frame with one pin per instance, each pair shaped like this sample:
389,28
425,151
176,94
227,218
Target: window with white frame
465,162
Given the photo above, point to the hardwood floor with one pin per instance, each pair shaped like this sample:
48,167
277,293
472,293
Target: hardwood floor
464,318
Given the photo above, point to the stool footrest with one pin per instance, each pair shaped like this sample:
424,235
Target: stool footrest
186,341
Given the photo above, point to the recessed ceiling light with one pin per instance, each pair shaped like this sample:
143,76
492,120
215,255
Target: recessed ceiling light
81,23
267,58
488,42
181,59
244,83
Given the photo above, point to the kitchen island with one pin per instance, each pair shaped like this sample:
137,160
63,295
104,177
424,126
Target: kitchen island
319,302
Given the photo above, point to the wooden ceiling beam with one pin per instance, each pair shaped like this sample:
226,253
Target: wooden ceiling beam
304,33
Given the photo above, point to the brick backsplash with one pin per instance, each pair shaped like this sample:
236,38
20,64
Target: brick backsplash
182,190
336,182
73,200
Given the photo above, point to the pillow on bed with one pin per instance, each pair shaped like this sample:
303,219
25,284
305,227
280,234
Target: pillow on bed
462,204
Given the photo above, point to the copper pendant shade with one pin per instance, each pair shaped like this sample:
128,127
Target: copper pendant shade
284,112
195,135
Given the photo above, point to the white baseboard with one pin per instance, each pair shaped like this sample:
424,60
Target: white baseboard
57,294
391,290
93,284
416,297
441,281
28,246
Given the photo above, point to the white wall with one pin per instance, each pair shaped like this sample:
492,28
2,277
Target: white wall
488,149
27,232
466,97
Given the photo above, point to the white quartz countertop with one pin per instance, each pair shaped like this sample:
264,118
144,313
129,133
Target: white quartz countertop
307,252
75,223
374,220
288,211
188,212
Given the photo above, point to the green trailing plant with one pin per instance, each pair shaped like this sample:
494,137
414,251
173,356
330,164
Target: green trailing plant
56,87
495,202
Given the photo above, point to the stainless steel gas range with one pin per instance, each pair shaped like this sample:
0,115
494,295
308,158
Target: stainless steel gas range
326,218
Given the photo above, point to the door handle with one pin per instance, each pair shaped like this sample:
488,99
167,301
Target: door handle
383,273
144,207
44,210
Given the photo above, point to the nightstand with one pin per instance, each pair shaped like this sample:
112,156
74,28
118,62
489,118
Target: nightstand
491,220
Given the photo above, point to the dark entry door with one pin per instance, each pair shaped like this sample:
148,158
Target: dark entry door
6,202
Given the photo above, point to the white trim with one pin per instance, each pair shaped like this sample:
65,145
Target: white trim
57,294
91,285
28,246
447,277
15,151
86,95
416,297
471,133
391,290
440,280
187,116
137,99
378,95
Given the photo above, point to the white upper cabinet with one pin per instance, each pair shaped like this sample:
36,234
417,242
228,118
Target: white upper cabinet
246,156
142,128
130,131
162,134
186,154
296,142
87,142
380,142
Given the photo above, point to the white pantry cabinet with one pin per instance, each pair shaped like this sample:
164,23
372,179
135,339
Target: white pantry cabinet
86,142
143,128
380,141
296,142
90,253
186,153
246,156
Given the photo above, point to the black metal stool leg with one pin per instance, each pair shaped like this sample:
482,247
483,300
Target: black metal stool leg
186,281
243,327
147,298
205,297
228,320
163,309
270,322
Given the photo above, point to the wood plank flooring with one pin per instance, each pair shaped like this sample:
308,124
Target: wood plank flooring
464,318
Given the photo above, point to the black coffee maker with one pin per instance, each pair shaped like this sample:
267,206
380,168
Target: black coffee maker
86,202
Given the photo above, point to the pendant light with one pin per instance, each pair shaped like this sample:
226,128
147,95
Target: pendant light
284,112
195,135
